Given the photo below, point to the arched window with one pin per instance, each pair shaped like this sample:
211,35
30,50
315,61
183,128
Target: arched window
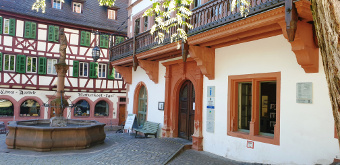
82,108
101,109
6,108
142,106
30,108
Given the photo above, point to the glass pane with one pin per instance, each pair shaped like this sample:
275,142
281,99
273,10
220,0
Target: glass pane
244,105
6,26
49,66
7,62
267,107
29,64
53,67
82,108
30,108
101,109
34,64
6,108
85,69
142,106
81,68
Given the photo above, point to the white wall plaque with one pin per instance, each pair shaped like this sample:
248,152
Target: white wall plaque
211,91
304,92
210,126
210,114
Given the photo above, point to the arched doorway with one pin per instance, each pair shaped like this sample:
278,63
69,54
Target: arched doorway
186,110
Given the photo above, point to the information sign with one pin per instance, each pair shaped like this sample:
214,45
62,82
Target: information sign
304,92
130,122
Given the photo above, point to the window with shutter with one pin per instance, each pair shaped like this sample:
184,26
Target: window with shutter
9,63
42,65
111,75
21,64
51,33
12,27
102,70
82,38
93,70
27,29
56,33
6,26
1,24
75,68
104,41
0,61
31,65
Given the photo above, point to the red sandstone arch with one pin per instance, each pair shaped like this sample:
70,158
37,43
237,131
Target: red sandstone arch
37,99
108,101
91,107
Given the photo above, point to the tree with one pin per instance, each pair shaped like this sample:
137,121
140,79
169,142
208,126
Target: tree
326,16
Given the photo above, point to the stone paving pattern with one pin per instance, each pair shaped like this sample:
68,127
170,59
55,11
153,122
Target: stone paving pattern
120,149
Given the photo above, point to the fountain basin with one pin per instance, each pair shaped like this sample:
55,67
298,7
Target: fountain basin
39,136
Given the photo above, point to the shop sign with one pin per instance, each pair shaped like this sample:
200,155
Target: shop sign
108,95
17,92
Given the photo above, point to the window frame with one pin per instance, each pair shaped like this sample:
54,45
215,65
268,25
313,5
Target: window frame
112,14
254,129
99,73
52,67
80,7
36,65
61,4
80,63
9,63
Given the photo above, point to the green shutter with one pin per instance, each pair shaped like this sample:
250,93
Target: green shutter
75,68
33,30
1,62
93,70
106,41
1,24
51,33
111,75
119,39
27,29
56,33
82,38
88,39
42,65
12,27
21,64
101,42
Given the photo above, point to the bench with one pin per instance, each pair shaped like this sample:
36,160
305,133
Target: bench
149,128
2,127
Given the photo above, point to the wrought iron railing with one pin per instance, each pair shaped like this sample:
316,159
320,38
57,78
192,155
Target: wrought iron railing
210,15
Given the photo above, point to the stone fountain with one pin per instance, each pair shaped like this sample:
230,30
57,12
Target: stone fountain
56,133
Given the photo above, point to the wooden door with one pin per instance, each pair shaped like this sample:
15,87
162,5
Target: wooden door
122,114
186,111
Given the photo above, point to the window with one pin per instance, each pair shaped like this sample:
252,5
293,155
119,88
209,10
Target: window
111,14
83,69
9,26
137,26
119,39
6,108
50,66
30,108
118,76
197,3
9,63
30,30
31,65
85,38
102,71
146,22
53,33
254,110
56,4
82,108
77,7
101,109
142,106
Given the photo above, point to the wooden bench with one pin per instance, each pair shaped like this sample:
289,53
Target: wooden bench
149,128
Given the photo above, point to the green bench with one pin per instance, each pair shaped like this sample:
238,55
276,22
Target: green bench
149,128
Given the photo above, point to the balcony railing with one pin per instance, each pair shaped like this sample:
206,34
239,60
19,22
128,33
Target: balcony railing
210,15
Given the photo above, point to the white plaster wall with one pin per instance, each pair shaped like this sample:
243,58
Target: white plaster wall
307,130
155,94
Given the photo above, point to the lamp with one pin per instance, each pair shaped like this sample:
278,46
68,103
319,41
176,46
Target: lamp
95,53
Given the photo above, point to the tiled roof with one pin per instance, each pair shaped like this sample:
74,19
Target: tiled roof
92,14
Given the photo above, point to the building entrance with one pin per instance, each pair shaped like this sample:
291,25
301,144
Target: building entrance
186,111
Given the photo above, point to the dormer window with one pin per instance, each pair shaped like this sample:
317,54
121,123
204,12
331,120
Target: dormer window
77,7
111,14
56,4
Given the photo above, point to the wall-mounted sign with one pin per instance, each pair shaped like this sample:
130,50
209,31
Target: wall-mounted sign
17,92
211,103
211,114
304,92
211,91
250,144
210,126
160,105
108,95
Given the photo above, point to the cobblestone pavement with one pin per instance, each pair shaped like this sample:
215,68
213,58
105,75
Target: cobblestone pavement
117,149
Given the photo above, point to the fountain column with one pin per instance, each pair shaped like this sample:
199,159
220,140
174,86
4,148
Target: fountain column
60,103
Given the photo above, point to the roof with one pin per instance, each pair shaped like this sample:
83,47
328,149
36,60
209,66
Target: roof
93,15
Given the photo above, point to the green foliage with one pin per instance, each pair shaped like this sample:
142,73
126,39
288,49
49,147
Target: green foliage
106,2
164,22
243,5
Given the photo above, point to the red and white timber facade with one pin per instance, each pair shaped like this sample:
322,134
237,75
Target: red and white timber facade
19,87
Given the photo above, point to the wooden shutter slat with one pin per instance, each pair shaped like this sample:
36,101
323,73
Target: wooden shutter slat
51,33
12,26
56,33
75,68
33,30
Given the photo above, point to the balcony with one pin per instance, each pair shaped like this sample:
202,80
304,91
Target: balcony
211,15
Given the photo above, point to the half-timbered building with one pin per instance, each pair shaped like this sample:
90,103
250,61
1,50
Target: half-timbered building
29,48
252,88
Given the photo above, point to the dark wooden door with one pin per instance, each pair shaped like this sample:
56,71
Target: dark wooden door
186,111
121,114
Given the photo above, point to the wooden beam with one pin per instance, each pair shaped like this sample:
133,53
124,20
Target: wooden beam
291,18
306,52
126,73
151,68
205,58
